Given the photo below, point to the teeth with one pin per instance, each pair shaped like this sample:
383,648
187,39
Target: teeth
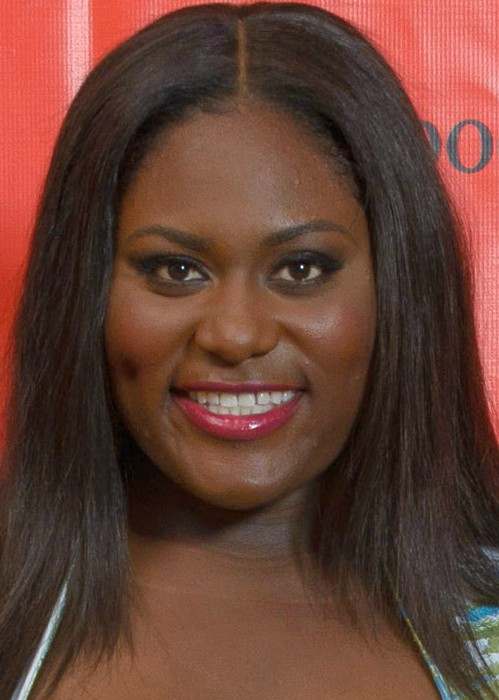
228,400
241,404
239,410
246,400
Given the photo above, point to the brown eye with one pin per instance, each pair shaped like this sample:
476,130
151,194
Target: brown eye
169,269
300,272
307,268
177,271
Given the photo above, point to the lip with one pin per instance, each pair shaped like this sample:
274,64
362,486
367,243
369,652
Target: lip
236,427
235,388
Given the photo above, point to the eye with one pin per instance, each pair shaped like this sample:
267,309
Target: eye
302,270
307,268
169,269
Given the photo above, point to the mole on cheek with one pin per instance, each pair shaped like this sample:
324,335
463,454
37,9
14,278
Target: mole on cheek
129,368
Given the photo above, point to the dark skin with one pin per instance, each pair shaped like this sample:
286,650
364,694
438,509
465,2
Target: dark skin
216,533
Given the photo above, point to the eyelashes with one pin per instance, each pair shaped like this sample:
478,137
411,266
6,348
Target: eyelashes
152,264
301,270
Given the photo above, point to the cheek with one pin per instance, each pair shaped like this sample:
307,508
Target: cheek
341,342
141,338
340,350
140,333
353,335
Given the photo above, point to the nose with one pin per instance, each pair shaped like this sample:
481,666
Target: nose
237,323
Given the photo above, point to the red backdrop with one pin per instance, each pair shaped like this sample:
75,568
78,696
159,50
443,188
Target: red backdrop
447,53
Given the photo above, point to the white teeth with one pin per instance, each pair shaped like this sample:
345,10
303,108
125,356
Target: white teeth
241,404
262,398
246,400
239,410
228,400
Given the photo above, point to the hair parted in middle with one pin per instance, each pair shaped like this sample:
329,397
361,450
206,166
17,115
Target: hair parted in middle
410,497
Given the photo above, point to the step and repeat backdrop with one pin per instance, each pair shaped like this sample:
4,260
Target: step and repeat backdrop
446,52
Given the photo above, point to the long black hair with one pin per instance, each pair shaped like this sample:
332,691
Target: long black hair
411,503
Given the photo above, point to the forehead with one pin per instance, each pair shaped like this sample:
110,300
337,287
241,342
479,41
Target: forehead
250,169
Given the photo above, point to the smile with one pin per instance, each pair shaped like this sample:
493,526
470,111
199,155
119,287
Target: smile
244,416
243,404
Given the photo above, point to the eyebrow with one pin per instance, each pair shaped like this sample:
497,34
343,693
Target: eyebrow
203,244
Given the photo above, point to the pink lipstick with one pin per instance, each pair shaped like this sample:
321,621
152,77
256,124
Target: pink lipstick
231,427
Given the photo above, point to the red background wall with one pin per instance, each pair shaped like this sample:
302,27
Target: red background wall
446,52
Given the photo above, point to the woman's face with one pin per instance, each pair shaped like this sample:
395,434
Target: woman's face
233,305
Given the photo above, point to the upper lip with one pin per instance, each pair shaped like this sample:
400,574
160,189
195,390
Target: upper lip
234,388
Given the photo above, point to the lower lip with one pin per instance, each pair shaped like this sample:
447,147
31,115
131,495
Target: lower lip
237,427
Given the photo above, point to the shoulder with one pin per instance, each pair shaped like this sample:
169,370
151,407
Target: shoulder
486,617
484,621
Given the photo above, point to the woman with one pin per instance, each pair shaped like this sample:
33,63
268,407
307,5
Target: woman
243,217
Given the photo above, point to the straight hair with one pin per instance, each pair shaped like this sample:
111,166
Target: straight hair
410,506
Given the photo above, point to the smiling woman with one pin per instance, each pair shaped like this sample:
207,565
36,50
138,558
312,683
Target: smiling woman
294,306
248,446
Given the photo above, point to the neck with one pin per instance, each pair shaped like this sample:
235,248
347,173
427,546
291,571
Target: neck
175,535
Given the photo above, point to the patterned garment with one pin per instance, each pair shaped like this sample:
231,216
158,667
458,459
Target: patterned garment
485,624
